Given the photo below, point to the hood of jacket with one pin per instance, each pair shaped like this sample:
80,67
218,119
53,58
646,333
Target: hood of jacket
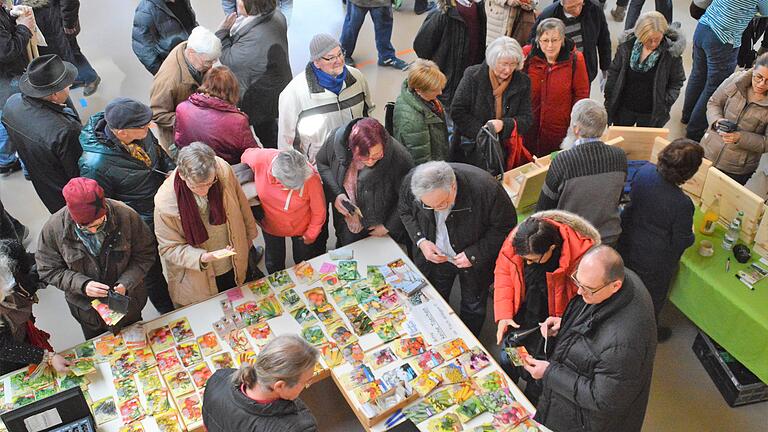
413,100
578,223
94,140
206,101
35,4
674,40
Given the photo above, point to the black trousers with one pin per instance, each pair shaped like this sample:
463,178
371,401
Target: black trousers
226,281
626,117
267,132
343,235
474,285
10,228
742,179
157,287
275,251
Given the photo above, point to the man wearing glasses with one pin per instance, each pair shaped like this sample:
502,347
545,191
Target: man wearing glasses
598,372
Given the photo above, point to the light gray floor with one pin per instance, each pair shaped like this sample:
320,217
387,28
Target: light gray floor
683,397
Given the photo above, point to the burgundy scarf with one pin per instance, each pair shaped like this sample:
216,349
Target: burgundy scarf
194,229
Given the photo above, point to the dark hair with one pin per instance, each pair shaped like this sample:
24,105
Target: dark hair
221,83
256,7
366,133
535,236
679,161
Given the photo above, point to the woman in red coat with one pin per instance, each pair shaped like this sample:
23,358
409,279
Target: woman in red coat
211,116
559,79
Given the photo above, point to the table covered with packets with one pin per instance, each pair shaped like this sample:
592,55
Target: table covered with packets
393,346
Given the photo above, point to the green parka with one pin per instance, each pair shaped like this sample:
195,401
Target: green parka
418,128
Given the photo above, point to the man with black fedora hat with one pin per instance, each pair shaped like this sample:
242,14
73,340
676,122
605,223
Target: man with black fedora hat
123,156
45,128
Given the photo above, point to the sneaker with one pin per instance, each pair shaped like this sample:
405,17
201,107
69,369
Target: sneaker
684,120
349,62
7,170
394,62
430,6
619,13
91,87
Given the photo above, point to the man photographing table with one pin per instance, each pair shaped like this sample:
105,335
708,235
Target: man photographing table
598,376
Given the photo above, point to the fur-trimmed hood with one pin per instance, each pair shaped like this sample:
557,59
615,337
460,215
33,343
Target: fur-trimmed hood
674,40
578,223
35,4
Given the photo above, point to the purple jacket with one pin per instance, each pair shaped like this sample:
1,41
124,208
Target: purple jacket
215,122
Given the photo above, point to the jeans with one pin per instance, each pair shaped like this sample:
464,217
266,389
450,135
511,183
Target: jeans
274,249
636,6
382,27
713,62
625,117
85,72
7,152
474,291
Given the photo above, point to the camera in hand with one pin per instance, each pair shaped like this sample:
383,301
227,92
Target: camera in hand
727,126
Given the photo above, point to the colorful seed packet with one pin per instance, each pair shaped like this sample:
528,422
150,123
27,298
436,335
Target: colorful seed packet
353,354
448,423
280,280
302,315
425,383
126,389
461,392
157,402
381,358
368,392
470,409
474,361
71,380
179,383
82,366
496,401
419,412
248,357
305,273
160,339
261,333
491,382
313,334
289,298
409,347
189,353
168,361
130,410
144,358
344,296
200,374
85,350
327,268
361,323
340,333
209,344
249,312
402,373
327,314
270,307
360,374
511,416
18,401
385,329
259,288
109,316
363,292
441,399
191,410
331,281
222,361
388,297
316,297
168,422
374,308
104,410
106,347
331,354
347,270
123,365
427,361
181,330
238,341
516,355
150,380
46,391
133,427
453,373
134,336
452,348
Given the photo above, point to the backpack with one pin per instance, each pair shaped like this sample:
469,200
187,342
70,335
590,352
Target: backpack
389,114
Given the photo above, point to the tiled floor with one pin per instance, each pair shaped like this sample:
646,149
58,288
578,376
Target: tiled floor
683,397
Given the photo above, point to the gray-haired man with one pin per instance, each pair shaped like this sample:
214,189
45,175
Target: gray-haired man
458,216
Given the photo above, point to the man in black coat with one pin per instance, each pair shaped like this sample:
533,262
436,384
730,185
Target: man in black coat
598,373
458,216
158,26
44,127
584,24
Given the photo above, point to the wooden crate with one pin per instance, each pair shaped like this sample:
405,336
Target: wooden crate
524,184
733,197
761,239
695,185
638,141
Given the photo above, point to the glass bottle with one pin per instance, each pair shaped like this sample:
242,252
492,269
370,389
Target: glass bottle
710,217
732,235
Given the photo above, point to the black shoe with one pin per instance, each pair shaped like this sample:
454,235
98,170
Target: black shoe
684,120
663,334
7,170
349,61
259,254
91,87
430,6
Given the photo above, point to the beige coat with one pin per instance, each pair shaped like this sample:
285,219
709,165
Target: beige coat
730,102
173,84
187,283
500,16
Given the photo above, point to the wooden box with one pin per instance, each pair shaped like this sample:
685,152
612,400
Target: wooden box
761,239
524,183
638,141
733,197
695,185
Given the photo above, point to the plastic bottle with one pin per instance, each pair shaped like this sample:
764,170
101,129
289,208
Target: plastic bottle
732,235
710,217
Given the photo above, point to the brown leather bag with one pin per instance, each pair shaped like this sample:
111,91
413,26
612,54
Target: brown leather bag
521,23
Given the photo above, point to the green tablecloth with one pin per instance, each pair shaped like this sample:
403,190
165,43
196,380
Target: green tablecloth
721,306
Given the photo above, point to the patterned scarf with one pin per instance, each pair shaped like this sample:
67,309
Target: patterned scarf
135,150
634,59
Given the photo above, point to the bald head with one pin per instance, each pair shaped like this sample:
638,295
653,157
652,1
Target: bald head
605,258
600,274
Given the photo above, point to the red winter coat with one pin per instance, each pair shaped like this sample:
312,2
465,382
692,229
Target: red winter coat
556,87
509,284
215,122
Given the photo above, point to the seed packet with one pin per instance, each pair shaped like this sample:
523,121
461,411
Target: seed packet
134,336
313,334
388,297
71,380
209,344
452,348
302,315
46,391
270,307
327,267
453,373
511,416
425,383
200,374
427,361
222,361
419,412
144,358
157,402
181,330
340,333
289,298
327,314
123,365
109,316
385,329
150,380
133,427
361,323
179,382
368,392
470,409
353,354
380,358
474,361
375,277
360,374
168,422
248,357
85,350
160,339
441,400
516,355
461,392
374,308
409,347
259,288
331,281
341,254
190,409
447,423
168,361
106,347
131,410
104,410
347,270
18,401
363,292
404,373
280,280
82,366
316,297
305,273
238,341
249,313
344,296
496,401
189,353
260,333
126,389
491,382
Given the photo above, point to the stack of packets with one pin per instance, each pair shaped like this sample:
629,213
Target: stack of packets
109,316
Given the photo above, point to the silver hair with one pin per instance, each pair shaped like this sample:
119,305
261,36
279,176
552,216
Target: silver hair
431,176
504,47
204,42
284,358
291,168
590,117
196,162
550,24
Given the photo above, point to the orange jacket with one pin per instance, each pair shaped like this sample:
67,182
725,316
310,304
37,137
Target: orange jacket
509,284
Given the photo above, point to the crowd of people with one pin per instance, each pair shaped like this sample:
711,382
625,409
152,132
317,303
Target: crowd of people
170,215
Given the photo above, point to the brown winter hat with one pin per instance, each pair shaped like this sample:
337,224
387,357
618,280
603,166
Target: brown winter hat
85,200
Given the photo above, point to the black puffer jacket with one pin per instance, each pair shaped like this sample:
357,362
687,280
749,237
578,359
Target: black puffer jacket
444,39
599,375
667,82
378,188
156,31
123,177
51,16
227,409
480,220
13,54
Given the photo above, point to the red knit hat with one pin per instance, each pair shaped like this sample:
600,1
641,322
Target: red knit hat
85,200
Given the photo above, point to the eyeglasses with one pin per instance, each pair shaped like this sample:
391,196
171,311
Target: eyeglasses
94,226
339,56
586,288
759,78
373,158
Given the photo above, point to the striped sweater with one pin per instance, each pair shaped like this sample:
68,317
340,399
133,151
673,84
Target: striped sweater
729,18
